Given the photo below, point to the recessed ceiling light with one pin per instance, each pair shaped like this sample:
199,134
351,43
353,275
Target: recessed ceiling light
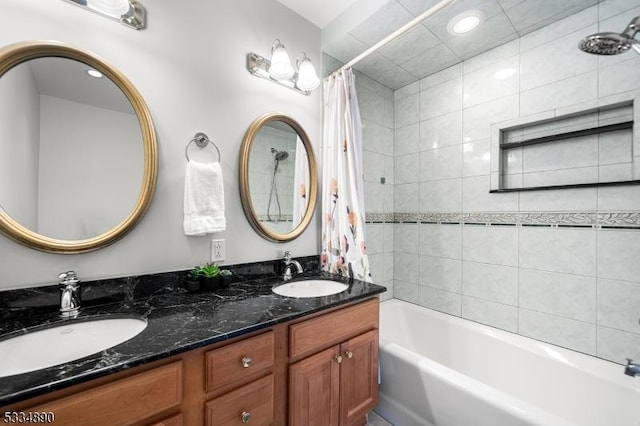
95,73
465,22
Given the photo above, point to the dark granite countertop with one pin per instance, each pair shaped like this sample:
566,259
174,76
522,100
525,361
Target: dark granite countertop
177,322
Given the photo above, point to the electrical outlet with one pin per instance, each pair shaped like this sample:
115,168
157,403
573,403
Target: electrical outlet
217,250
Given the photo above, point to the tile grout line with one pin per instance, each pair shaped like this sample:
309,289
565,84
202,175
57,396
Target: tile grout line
462,80
598,189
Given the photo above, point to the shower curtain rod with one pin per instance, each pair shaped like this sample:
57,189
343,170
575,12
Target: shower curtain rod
395,34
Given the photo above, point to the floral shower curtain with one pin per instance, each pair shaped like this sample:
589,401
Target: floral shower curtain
344,249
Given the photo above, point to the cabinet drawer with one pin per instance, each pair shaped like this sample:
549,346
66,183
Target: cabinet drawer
171,421
326,330
239,360
252,404
152,391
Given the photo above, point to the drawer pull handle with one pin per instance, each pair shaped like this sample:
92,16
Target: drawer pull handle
348,354
246,363
245,417
338,359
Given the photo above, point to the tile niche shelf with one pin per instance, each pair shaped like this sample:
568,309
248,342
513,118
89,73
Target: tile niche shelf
594,144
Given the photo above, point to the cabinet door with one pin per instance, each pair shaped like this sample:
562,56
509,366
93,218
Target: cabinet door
314,384
358,378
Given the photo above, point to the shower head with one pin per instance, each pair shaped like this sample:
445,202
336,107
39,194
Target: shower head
606,44
279,155
282,155
612,43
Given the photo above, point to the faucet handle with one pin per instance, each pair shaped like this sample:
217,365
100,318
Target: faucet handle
68,278
287,257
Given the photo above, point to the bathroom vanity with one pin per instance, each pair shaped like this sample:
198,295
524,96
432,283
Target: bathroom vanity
240,355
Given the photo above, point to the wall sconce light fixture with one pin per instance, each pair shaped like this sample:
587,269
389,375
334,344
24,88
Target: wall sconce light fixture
307,77
279,69
127,12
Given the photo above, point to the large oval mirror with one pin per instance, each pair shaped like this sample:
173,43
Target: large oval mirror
278,177
78,156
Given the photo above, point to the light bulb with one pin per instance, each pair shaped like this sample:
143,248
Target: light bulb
307,77
280,68
114,8
465,22
95,73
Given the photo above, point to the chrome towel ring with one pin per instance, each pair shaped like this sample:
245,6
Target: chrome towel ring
201,140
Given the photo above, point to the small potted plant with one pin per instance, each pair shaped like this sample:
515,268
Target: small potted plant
209,276
226,278
192,281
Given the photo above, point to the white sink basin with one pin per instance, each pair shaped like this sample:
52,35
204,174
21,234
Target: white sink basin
310,288
64,343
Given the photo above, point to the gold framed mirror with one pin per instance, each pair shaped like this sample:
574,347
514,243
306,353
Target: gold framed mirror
60,193
278,177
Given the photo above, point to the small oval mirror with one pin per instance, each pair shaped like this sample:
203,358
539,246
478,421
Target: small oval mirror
278,177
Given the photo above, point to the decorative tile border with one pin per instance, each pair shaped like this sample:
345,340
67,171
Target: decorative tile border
490,218
440,217
283,218
379,217
552,219
619,219
565,219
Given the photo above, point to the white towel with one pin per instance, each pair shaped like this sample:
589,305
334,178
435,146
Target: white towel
203,199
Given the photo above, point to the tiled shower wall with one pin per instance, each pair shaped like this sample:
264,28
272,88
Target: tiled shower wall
376,104
262,164
560,266
377,111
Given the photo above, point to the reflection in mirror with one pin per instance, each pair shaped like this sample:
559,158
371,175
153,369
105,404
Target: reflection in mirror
278,177
78,155
72,160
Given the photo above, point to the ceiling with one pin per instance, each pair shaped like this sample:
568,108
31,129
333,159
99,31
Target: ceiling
67,79
428,47
318,12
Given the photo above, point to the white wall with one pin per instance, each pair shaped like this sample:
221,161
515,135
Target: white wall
189,64
19,141
90,168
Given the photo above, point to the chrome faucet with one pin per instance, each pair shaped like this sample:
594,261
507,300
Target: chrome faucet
632,369
288,264
70,297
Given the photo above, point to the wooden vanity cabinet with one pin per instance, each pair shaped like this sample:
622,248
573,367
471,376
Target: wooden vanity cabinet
358,378
252,403
339,384
173,421
208,385
242,378
155,391
318,370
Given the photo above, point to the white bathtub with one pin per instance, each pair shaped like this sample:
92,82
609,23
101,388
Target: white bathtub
440,370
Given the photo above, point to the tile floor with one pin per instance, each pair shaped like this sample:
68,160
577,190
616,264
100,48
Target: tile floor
375,420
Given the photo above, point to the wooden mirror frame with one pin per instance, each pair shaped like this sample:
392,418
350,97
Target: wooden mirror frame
245,195
15,54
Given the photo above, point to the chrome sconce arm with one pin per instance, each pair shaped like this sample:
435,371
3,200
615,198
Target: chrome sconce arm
128,12
279,70
259,66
